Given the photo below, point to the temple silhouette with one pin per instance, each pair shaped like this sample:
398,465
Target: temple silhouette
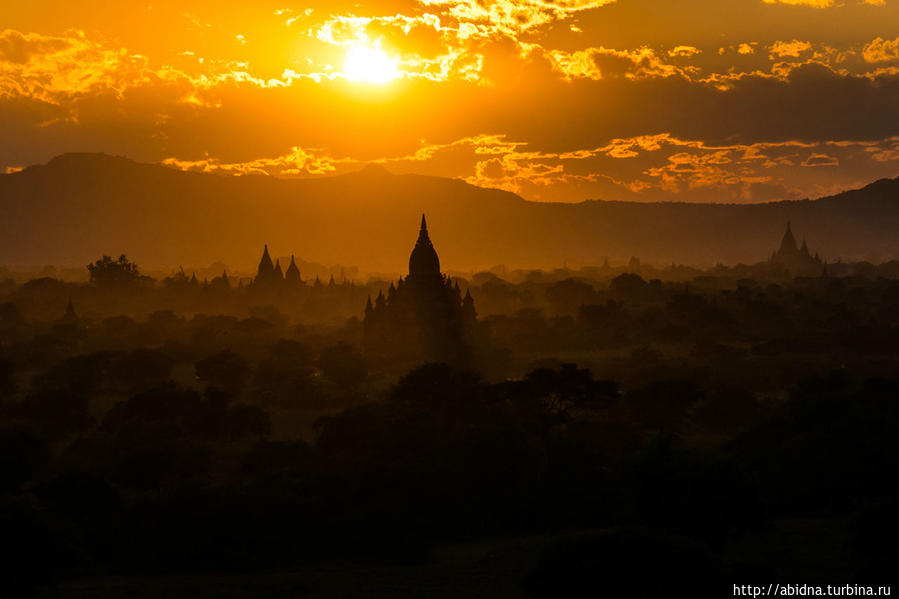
423,318
272,281
269,276
795,259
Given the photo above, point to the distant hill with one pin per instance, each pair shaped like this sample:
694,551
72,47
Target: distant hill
79,206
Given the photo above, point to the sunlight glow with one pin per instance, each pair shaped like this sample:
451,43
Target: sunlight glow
367,64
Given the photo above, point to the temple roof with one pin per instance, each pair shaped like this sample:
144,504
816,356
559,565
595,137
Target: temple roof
293,273
265,264
424,261
788,244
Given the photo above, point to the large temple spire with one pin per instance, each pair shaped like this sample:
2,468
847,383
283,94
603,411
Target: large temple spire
424,261
788,244
422,316
792,257
292,275
265,264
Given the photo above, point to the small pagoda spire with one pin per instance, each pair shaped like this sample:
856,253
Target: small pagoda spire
265,264
278,272
70,317
293,273
468,310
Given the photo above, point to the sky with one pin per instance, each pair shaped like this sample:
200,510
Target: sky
638,100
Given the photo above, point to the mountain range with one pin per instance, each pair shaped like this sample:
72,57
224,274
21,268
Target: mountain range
80,206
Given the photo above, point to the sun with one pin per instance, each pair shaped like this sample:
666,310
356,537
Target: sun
369,64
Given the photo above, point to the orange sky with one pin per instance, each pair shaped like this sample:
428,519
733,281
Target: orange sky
693,100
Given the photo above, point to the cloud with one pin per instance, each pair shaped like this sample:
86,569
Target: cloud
599,63
821,160
512,17
18,48
788,49
823,3
810,3
881,50
46,67
646,167
572,95
664,167
59,70
684,51
422,46
297,162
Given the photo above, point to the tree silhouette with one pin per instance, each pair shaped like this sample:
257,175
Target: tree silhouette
22,455
7,378
568,295
110,273
10,319
628,285
343,365
225,369
663,405
568,388
140,369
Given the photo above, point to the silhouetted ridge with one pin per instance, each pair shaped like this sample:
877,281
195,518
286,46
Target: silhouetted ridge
94,163
880,190
375,170
92,160
81,205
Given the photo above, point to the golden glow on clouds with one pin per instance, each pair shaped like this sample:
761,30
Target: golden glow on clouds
791,49
297,162
684,51
513,17
45,67
822,3
881,50
649,166
554,100
640,63
811,3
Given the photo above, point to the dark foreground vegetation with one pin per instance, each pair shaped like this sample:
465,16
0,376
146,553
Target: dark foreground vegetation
711,433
